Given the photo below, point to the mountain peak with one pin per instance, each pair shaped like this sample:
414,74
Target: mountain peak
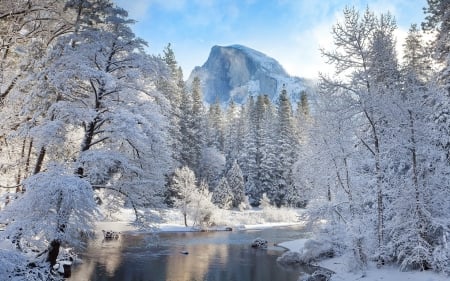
237,71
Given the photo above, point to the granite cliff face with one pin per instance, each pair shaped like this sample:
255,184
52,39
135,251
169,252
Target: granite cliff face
237,72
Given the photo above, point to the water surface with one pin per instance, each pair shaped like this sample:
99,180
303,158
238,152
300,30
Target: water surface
212,256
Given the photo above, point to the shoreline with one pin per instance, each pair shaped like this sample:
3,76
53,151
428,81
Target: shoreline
340,266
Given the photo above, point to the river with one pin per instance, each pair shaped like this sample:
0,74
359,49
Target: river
211,256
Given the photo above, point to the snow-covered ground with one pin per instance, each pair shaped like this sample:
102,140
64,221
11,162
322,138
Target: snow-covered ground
387,273
172,220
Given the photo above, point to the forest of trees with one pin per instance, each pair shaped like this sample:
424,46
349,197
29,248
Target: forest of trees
89,118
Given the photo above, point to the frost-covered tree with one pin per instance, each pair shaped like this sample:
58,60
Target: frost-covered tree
247,158
285,193
235,181
234,133
212,166
223,194
215,131
198,124
184,186
92,107
202,209
56,210
172,86
192,200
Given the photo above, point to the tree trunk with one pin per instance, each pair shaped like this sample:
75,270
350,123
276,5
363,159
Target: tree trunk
39,161
379,180
22,155
415,177
27,163
53,251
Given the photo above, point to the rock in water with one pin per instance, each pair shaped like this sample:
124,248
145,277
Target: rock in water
259,243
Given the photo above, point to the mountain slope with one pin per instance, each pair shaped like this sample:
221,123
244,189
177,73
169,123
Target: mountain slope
237,71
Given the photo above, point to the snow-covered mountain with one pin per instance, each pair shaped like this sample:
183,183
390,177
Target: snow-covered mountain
237,71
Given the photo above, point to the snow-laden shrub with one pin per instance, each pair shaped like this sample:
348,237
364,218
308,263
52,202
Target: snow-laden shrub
244,205
15,266
318,275
201,208
290,258
313,250
282,214
54,200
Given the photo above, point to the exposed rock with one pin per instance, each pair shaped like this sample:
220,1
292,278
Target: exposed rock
109,234
259,243
237,71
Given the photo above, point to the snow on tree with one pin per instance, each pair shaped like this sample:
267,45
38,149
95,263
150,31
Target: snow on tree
266,158
57,209
212,166
380,171
286,153
235,181
223,194
215,133
201,209
184,187
248,156
171,85
192,200
92,107
234,133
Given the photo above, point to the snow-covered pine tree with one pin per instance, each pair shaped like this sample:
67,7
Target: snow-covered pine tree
198,125
234,133
287,145
247,158
223,195
267,147
215,134
235,181
172,86
187,132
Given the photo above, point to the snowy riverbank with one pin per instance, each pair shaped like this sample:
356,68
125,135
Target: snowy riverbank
387,273
171,220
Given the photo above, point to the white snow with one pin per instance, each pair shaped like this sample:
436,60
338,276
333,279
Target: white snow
122,221
387,273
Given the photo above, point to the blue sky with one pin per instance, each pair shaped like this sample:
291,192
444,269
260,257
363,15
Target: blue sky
291,31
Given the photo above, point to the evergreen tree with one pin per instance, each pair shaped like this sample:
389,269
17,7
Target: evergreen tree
234,134
248,156
187,132
172,86
216,136
223,195
235,181
285,194
198,125
267,148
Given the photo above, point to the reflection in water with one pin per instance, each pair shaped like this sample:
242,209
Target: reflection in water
213,256
197,263
106,254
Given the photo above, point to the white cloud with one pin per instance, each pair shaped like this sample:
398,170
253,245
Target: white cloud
137,9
